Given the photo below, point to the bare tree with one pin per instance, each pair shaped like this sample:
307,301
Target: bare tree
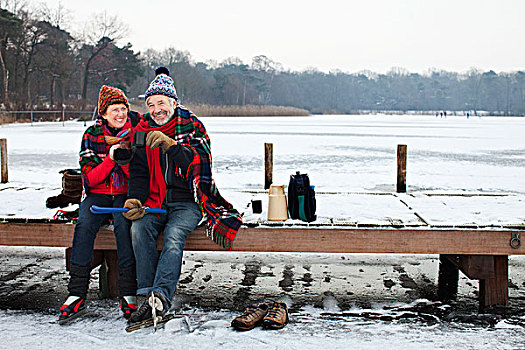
14,6
97,34
10,28
59,16
102,25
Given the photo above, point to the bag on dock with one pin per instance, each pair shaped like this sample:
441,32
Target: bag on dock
301,198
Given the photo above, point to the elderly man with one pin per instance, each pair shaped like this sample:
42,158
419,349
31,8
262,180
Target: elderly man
172,171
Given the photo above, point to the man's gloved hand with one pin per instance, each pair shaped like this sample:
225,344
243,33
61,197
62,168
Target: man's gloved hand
156,138
135,209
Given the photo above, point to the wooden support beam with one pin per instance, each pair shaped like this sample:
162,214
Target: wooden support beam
268,165
448,277
108,275
474,266
401,168
98,258
494,291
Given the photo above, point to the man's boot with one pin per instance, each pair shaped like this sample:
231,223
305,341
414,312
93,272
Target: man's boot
145,310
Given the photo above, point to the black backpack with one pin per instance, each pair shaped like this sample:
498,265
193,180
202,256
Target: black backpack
301,198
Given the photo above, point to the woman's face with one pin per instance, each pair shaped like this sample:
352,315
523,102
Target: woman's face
116,115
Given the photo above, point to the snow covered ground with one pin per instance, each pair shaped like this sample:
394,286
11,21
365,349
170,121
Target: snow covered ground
337,301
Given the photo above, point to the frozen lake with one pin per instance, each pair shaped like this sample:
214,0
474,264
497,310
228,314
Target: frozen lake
356,153
343,153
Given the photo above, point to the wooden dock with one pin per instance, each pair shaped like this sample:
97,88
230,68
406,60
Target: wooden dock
479,253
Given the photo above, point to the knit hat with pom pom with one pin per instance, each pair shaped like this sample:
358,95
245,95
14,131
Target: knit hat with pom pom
162,85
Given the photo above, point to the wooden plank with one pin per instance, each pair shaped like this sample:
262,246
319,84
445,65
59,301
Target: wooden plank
495,291
280,239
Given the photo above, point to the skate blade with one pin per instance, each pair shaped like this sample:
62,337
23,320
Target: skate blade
149,323
72,318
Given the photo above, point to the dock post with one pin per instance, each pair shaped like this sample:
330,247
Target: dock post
448,277
108,275
494,291
401,168
3,156
268,165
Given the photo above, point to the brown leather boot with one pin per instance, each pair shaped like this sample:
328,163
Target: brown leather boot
276,317
251,317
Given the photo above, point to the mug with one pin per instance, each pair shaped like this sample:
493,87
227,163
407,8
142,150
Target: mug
256,206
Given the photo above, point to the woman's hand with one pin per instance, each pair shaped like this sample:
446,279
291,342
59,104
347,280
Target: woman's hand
112,151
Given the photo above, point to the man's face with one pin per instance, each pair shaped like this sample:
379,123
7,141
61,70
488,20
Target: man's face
116,115
161,108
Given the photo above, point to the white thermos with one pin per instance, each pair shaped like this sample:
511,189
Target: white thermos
277,209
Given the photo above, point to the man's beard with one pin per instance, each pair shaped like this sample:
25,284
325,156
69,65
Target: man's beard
164,120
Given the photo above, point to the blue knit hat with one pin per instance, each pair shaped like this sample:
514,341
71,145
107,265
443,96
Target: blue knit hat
162,85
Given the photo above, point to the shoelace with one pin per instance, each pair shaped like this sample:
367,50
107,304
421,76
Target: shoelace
249,313
155,303
274,311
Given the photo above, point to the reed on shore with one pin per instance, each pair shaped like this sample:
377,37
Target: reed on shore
205,110
201,110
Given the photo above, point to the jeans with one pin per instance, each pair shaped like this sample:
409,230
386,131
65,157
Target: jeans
84,236
156,272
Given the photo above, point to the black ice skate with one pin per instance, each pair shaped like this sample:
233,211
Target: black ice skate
128,305
73,307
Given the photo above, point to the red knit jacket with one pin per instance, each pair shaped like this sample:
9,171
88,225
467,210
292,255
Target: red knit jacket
97,178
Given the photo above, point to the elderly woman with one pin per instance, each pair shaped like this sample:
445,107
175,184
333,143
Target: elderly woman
105,184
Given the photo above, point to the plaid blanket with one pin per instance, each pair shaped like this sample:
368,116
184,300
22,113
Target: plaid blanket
96,142
223,221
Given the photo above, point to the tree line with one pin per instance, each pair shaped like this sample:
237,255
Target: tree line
43,66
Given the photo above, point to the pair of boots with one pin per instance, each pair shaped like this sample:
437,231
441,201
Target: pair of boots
273,315
75,303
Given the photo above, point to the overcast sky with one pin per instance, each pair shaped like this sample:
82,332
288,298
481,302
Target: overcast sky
351,36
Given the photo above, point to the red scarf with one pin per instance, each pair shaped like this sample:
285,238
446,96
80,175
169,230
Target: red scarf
157,184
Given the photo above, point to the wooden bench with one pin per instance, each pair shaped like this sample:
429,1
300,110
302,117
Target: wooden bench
479,253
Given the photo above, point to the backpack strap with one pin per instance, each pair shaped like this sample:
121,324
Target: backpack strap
302,205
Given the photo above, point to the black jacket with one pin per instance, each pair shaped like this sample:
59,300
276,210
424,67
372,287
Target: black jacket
178,157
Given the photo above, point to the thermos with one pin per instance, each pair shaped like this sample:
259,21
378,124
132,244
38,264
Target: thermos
277,209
